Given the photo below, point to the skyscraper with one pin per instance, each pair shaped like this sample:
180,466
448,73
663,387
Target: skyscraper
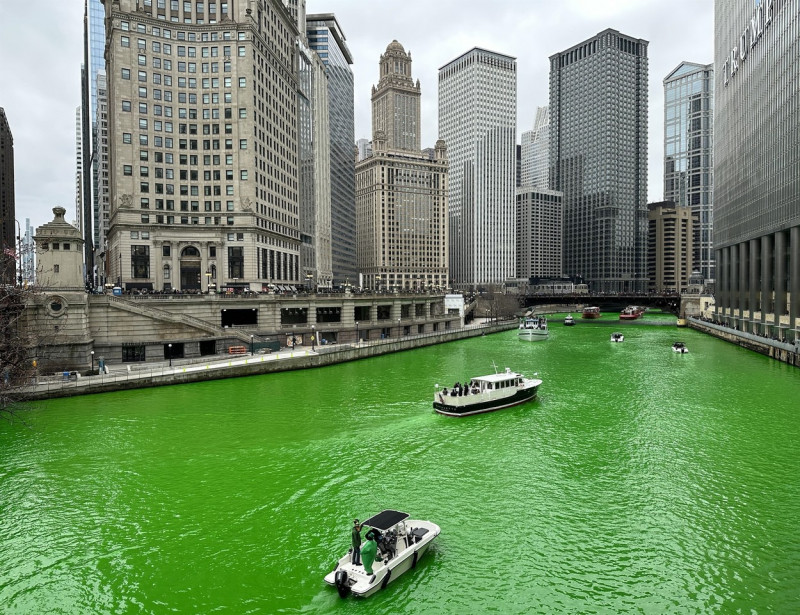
478,122
326,37
670,246
539,224
202,98
757,166
536,151
401,193
598,158
688,149
8,249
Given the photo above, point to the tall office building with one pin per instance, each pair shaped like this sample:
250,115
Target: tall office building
478,121
688,152
79,167
598,158
401,194
326,37
757,165
670,246
315,164
535,152
204,173
539,224
8,249
102,209
363,149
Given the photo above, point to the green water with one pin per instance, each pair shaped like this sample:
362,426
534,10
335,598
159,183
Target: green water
641,481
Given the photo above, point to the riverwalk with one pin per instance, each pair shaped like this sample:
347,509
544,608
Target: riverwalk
179,371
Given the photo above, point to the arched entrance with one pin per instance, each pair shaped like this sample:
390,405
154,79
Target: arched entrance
190,268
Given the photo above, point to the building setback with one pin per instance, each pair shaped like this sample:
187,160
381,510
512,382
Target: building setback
325,35
670,247
202,110
401,193
535,152
478,121
757,166
688,153
598,158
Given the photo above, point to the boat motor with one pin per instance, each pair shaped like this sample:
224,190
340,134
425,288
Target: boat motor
342,586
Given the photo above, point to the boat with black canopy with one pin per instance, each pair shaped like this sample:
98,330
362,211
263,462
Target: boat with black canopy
398,543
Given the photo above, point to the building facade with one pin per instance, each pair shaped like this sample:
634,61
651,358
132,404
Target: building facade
204,171
535,152
757,166
539,227
9,248
670,247
327,38
478,121
688,152
401,194
598,158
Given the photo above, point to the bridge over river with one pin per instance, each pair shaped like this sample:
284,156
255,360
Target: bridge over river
606,302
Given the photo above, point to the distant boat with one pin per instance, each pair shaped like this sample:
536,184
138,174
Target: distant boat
679,347
617,337
569,320
681,322
591,312
632,312
532,329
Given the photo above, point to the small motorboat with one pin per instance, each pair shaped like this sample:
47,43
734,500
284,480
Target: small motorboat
399,543
485,394
591,312
533,329
569,320
632,312
679,347
617,337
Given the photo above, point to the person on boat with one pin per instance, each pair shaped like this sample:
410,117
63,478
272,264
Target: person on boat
356,535
369,551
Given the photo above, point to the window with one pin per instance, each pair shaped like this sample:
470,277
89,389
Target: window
126,137
140,262
127,169
125,41
165,250
242,82
242,142
126,105
126,73
242,174
235,262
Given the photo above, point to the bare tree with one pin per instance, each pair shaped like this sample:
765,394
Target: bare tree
17,341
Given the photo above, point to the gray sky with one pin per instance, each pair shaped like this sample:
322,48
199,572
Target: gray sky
41,55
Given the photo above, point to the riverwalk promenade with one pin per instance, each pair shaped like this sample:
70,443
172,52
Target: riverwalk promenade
181,371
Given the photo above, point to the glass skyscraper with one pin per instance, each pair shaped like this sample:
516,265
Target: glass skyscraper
478,122
325,36
688,149
598,158
757,165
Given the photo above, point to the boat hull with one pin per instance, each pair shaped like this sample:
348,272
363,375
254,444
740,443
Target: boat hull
532,335
481,406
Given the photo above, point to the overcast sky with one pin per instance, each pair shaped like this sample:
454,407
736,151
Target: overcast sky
41,55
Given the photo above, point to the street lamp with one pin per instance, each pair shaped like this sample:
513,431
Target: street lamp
170,354
398,327
251,345
92,355
313,338
358,337
208,281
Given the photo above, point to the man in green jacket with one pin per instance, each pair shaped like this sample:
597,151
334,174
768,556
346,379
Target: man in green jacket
356,543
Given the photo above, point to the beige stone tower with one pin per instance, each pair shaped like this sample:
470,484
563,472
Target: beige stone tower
396,101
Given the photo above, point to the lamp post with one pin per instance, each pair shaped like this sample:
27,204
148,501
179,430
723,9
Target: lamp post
358,337
18,260
170,354
119,277
251,345
208,281
398,327
92,355
313,337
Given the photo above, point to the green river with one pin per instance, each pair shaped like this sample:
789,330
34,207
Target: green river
640,481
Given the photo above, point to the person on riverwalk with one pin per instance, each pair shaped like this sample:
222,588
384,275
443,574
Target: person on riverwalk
356,534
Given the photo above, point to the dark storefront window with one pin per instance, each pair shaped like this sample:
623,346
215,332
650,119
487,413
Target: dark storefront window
236,262
140,261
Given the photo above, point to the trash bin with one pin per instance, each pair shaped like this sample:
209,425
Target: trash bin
101,362
117,291
66,376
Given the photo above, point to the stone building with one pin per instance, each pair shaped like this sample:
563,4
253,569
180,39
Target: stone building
670,247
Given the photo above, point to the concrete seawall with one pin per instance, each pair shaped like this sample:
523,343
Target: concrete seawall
217,367
782,351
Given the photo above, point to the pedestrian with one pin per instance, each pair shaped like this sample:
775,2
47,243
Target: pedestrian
356,534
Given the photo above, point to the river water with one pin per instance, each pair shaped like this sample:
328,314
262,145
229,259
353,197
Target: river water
640,481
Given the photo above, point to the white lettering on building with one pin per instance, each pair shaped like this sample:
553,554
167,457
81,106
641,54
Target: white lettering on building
761,19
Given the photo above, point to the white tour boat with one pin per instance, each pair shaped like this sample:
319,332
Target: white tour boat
400,544
485,394
680,347
617,337
569,320
532,328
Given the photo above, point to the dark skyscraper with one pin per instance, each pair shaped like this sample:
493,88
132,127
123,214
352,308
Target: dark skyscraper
7,212
325,36
598,158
